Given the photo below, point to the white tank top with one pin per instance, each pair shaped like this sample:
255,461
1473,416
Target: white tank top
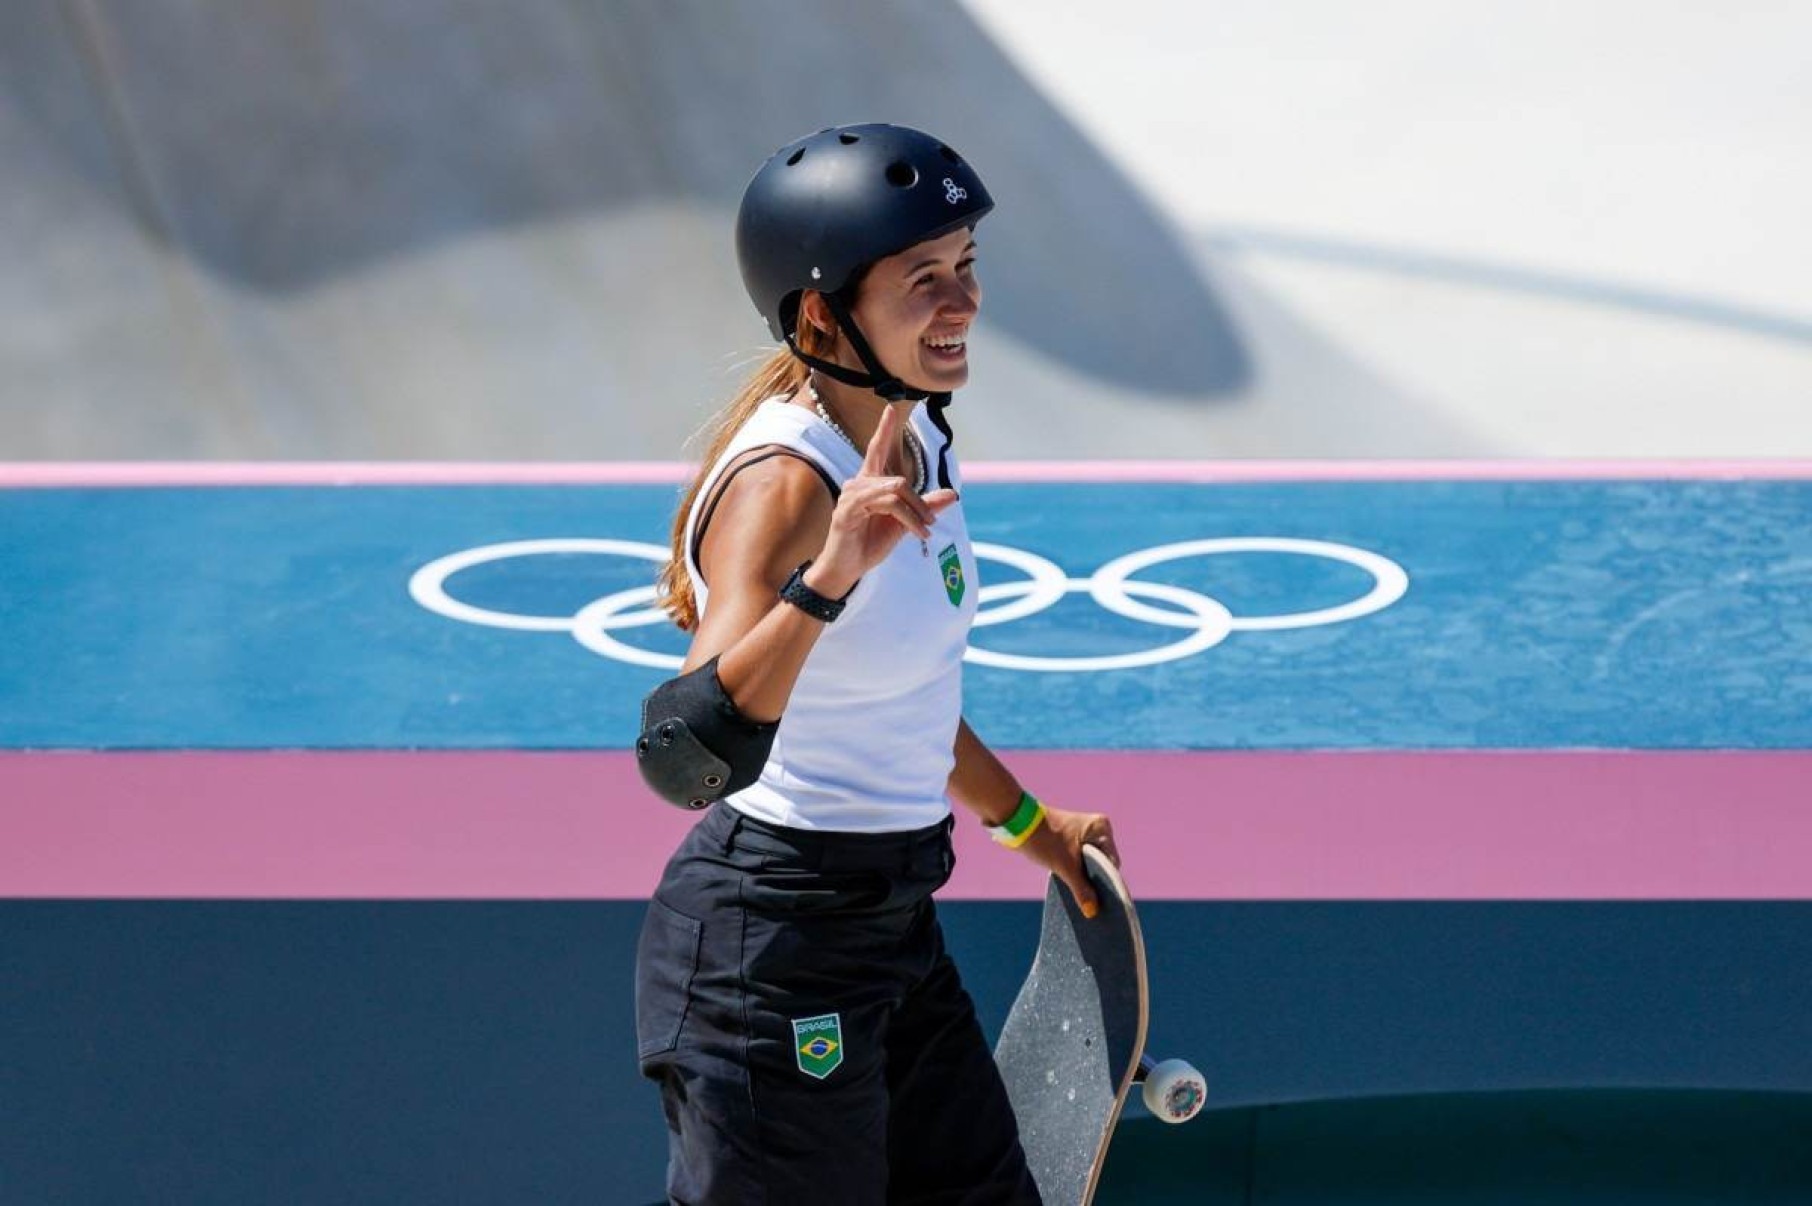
866,742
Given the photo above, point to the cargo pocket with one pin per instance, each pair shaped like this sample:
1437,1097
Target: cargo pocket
666,959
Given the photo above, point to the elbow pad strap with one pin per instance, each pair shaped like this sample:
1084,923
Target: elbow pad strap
696,746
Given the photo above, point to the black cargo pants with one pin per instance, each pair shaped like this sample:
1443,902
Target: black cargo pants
808,1031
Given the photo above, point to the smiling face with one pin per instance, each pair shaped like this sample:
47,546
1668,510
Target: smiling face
915,309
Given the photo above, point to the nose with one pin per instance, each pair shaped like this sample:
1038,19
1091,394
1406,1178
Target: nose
960,299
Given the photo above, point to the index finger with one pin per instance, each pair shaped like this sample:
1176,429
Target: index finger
880,447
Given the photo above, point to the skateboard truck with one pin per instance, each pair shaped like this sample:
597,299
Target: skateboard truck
1174,1090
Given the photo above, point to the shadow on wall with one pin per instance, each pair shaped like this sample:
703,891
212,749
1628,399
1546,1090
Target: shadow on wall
287,141
1502,1149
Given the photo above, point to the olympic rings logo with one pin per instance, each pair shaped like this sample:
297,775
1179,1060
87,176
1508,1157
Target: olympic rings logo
1205,621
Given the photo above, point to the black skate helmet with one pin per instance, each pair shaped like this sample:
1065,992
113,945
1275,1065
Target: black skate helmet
825,206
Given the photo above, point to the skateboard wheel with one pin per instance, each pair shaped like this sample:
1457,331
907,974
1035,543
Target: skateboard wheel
1175,1091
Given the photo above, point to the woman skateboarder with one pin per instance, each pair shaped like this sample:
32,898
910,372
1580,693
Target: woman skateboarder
794,1000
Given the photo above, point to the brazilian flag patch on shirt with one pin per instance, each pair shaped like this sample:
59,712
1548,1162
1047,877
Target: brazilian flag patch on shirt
952,567
819,1044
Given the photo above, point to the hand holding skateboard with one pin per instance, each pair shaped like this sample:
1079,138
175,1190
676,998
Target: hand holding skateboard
1057,847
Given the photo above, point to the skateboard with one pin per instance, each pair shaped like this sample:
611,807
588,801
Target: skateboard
1074,1043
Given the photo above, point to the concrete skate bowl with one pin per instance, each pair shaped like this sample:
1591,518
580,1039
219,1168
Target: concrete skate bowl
317,228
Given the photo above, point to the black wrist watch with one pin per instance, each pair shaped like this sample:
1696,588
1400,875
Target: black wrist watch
810,601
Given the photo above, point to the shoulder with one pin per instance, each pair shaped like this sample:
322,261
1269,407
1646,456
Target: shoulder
774,510
777,476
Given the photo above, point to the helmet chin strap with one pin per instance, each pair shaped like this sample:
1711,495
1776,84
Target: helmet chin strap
880,380
935,408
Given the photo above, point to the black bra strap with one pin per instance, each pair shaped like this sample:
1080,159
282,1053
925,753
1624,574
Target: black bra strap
767,452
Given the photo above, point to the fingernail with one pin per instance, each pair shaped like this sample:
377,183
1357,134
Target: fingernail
1090,909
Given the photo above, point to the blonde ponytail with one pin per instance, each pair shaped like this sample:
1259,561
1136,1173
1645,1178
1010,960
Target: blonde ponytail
781,374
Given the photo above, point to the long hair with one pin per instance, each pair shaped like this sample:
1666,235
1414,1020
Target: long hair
780,374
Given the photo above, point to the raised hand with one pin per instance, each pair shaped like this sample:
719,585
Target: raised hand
875,511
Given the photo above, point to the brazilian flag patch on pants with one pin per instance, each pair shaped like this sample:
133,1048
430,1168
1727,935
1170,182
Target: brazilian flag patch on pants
819,1044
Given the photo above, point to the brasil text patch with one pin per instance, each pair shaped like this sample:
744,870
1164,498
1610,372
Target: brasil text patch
818,1043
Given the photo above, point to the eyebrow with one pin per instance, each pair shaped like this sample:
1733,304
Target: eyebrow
934,261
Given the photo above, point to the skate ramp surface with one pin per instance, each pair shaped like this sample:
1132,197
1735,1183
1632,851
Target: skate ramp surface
324,229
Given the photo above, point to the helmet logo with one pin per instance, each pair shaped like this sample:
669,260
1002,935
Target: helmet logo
952,193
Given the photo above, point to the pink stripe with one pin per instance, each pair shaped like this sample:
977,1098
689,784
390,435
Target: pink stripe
94,474
29,474
1371,471
1199,826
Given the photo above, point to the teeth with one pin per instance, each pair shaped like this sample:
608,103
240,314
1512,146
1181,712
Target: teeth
951,341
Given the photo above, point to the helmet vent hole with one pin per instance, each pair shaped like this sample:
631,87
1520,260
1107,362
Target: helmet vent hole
901,174
849,139
949,154
795,157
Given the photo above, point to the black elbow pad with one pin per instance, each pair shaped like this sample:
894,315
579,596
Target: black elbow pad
695,746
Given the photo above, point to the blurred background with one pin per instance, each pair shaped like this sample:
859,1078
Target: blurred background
334,229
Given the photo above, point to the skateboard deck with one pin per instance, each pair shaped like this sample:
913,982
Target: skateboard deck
1071,1045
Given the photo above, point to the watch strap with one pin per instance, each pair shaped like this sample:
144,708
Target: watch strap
813,604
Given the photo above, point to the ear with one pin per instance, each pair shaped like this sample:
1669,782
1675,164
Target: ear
814,311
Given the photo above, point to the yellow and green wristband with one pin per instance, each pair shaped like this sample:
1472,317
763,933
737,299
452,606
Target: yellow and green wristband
1017,829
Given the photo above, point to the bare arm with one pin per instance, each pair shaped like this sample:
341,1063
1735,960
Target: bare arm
773,516
981,783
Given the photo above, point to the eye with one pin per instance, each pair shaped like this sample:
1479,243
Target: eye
963,266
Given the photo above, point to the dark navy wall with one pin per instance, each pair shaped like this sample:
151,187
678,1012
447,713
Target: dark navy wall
432,1052
1502,1149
